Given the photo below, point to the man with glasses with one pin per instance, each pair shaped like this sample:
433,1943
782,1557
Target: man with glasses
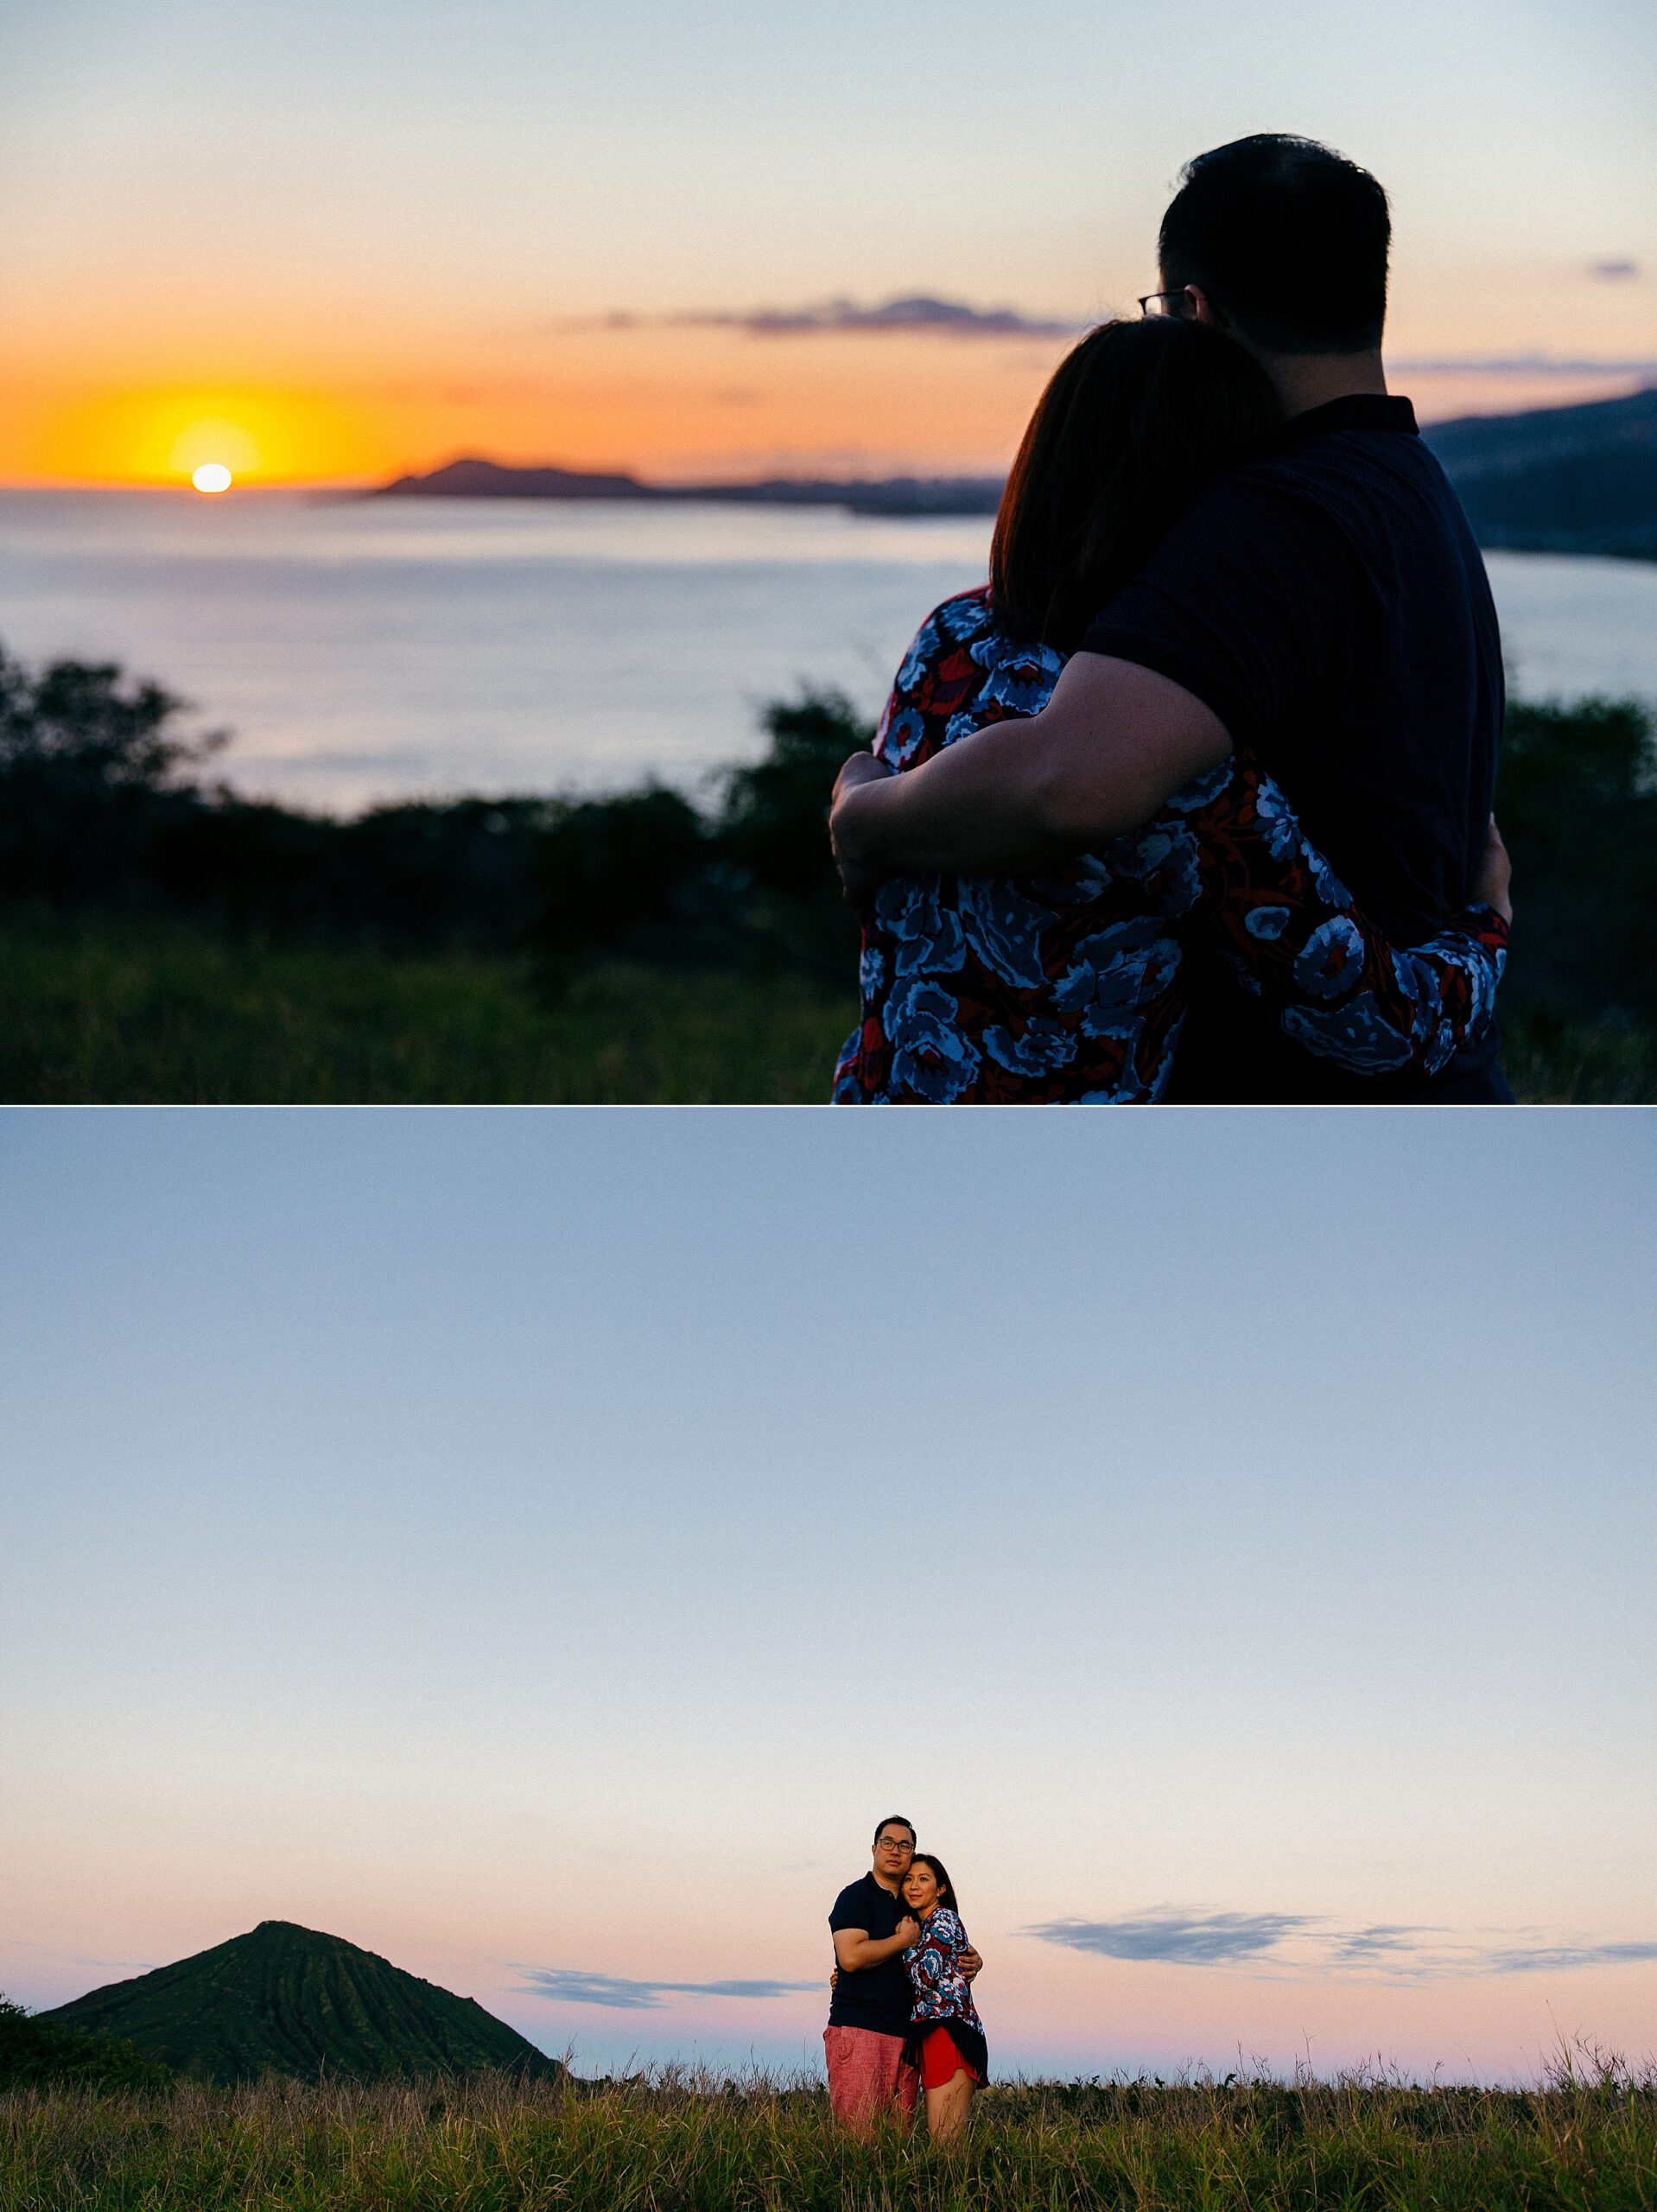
1325,605
869,2008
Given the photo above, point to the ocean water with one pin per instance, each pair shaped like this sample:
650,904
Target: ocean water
361,650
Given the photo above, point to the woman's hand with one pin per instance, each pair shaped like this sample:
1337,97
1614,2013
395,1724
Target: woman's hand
1496,873
907,1931
862,768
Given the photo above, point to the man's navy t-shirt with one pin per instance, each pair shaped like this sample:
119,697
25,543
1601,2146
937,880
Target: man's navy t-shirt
871,1997
1328,603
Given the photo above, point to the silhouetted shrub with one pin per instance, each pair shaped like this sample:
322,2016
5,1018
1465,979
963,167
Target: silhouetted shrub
1577,799
36,2054
776,813
90,776
606,869
101,805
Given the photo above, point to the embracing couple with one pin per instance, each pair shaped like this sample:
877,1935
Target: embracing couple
901,2017
1192,800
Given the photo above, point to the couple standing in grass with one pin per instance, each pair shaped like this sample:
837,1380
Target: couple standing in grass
901,2017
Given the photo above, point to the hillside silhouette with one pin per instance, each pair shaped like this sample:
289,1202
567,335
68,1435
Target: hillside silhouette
1558,480
285,2000
472,478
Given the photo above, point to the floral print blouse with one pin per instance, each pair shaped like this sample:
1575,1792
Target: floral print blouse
942,1991
1074,984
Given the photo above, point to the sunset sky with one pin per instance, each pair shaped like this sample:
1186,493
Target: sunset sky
316,238
539,1548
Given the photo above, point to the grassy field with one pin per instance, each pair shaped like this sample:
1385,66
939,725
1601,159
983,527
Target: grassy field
96,1010
1588,2145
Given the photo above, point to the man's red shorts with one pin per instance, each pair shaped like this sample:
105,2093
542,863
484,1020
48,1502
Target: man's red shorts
867,2078
941,2061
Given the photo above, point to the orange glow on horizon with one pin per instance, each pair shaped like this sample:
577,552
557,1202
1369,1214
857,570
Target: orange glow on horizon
676,406
716,405
163,436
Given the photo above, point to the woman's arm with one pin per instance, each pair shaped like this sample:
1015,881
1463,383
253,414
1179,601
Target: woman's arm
1300,941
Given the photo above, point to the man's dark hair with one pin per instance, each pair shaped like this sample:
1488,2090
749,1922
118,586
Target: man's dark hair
1288,238
894,1821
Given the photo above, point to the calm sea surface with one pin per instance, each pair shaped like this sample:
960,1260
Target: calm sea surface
369,649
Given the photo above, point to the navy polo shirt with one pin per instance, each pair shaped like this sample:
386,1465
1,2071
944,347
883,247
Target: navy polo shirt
871,1997
1330,604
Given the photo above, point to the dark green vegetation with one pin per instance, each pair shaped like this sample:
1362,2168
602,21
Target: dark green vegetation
104,807
286,2000
163,939
101,1009
39,2053
1579,2145
1558,480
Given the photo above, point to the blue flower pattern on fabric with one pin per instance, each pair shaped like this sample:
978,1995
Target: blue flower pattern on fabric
926,933
899,740
1358,1035
1163,857
1115,972
1268,922
1282,830
1032,992
1004,929
1045,1046
941,1991
1331,954
930,1055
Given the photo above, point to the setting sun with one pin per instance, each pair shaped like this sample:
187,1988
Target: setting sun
212,476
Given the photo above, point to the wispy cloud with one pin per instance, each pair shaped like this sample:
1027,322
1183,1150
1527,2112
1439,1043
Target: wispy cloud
1546,1959
1306,1943
570,1986
1613,272
1185,1939
1386,1943
918,314
1519,365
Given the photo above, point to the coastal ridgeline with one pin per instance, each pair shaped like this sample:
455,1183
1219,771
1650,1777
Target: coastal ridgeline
1554,479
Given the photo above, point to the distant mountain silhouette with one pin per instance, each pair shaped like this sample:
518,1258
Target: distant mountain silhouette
1566,479
491,479
1558,480
471,479
287,2000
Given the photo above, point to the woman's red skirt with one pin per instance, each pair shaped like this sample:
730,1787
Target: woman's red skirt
941,2060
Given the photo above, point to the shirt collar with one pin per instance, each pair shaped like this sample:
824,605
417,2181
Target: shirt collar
1359,410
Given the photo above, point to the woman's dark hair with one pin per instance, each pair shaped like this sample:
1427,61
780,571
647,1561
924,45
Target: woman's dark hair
1288,238
940,1875
1135,418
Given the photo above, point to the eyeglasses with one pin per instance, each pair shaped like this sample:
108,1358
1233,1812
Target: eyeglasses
1150,304
894,1843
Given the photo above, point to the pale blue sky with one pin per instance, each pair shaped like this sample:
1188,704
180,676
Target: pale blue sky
542,1544
396,223
614,153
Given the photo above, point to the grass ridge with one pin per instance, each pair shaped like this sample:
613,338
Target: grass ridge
1584,2139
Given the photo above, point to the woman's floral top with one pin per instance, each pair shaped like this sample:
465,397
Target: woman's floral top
942,1991
1073,985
